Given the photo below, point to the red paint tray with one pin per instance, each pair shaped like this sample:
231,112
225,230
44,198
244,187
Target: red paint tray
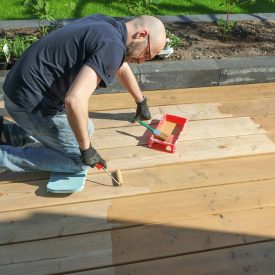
172,126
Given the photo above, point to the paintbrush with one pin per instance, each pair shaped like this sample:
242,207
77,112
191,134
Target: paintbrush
155,132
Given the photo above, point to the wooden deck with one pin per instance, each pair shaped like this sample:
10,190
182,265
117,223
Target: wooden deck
207,209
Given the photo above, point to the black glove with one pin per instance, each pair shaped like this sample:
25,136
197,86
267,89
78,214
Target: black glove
91,157
142,111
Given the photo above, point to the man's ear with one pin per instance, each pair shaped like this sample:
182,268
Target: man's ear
141,34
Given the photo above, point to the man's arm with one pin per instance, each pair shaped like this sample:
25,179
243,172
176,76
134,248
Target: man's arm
76,103
128,80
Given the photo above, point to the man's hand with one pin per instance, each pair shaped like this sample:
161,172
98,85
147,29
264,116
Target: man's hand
142,111
90,157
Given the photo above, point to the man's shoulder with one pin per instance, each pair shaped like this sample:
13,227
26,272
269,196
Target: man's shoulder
98,20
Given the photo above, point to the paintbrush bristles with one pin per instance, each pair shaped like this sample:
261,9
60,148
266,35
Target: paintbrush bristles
161,135
156,132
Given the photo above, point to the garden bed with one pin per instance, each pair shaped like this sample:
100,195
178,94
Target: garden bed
204,40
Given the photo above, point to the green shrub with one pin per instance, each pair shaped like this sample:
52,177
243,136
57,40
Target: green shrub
226,26
5,50
175,41
141,7
18,44
41,10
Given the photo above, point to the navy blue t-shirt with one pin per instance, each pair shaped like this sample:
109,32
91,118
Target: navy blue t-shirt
45,72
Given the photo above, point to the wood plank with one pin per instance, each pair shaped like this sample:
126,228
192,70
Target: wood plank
192,112
139,243
155,179
267,121
271,136
123,117
12,177
139,156
198,111
194,130
252,107
21,195
183,96
18,226
249,259
183,146
27,178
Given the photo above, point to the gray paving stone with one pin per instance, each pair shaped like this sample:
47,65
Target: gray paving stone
194,73
16,24
215,17
247,70
34,23
179,74
116,87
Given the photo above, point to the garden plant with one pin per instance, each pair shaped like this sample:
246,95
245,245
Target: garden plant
12,45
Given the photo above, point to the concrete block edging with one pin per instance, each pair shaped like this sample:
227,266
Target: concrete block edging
160,75
200,73
166,74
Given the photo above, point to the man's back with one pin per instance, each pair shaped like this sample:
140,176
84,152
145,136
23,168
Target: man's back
43,75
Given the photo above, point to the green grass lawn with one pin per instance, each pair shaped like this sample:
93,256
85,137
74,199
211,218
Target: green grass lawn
13,9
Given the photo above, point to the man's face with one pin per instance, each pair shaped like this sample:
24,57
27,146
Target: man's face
139,52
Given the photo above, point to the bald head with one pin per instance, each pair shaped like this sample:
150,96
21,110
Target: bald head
146,28
156,30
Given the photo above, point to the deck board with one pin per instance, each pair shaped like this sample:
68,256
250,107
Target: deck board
143,209
156,179
249,259
203,111
183,96
139,243
194,130
207,209
19,195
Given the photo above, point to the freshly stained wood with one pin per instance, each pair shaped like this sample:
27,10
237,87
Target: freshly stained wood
65,220
139,157
201,111
154,179
123,117
271,136
181,96
216,191
267,121
252,107
249,259
149,242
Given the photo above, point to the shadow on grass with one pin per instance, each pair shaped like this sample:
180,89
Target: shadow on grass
260,6
180,8
81,4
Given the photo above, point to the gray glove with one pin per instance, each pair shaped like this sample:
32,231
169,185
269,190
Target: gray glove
90,157
142,111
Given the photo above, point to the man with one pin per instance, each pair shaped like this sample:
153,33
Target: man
48,89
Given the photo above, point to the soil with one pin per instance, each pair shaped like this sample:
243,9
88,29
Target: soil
205,40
